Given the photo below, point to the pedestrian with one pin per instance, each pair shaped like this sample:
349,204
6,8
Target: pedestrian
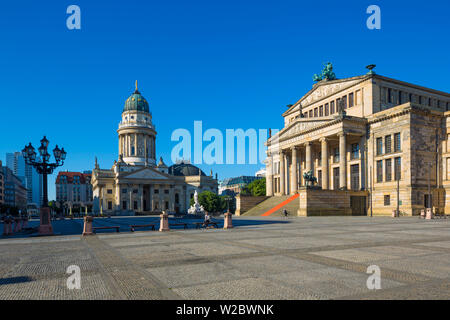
285,212
207,219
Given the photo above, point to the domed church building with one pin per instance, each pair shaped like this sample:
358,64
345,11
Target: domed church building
136,183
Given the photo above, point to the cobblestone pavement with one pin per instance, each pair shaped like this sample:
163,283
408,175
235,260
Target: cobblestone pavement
262,258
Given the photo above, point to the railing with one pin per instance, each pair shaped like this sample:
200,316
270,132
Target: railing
136,124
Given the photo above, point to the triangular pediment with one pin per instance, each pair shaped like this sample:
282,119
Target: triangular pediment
324,89
146,173
302,125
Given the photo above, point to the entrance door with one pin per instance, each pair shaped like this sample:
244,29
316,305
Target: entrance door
358,205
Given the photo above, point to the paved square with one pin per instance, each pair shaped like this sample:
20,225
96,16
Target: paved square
261,258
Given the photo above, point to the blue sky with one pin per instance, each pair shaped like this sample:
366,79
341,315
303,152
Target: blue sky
231,64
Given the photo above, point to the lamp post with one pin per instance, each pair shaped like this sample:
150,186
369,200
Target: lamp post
44,167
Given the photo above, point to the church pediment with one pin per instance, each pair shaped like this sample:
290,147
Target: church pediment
145,173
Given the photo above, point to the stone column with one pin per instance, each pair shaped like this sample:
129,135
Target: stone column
141,193
294,184
120,144
282,173
308,157
324,152
269,176
342,161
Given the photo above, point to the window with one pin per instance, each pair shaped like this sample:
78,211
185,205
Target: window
167,205
398,168
135,190
327,110
410,97
310,113
388,168
109,205
336,155
379,146
344,102
321,111
166,191
355,151
380,171
420,99
124,190
399,97
387,199
338,103
354,175
319,177
156,191
132,150
135,205
336,178
124,205
315,112
350,100
389,95
331,107
397,145
387,144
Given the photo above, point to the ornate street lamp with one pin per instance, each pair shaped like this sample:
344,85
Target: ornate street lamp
44,167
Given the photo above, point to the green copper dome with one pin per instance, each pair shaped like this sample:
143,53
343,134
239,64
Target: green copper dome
136,102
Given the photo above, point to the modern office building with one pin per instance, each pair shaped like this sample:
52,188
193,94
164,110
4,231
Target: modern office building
14,192
28,175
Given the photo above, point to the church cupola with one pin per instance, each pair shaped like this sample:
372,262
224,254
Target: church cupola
137,134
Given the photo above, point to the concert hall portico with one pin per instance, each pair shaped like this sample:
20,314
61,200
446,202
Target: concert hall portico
317,145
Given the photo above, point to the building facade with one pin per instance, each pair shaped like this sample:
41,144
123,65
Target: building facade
233,186
372,142
74,189
28,175
14,192
136,182
2,185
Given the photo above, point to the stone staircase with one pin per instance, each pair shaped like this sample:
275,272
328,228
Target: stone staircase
271,202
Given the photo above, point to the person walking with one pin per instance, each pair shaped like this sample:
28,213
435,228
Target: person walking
285,212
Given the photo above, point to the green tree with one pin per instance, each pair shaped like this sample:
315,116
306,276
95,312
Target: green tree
210,201
257,187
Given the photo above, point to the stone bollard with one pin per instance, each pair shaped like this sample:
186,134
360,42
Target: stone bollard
164,224
422,213
227,223
87,228
429,215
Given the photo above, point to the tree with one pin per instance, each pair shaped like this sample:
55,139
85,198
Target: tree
257,187
210,201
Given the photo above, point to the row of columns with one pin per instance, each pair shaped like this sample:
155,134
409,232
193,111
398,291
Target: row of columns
125,145
308,166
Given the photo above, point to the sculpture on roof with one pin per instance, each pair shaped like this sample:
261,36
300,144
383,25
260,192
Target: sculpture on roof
327,73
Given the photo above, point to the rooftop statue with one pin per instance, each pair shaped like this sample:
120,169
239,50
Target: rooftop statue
327,73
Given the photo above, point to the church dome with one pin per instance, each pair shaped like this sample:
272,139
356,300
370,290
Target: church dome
136,102
185,169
